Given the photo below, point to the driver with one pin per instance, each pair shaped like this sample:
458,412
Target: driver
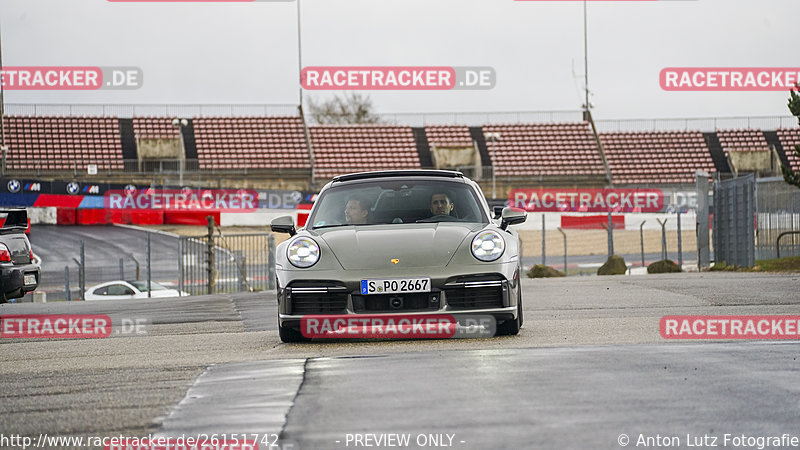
356,211
441,205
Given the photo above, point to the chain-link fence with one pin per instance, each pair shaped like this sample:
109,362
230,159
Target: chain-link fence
239,261
778,206
582,243
226,263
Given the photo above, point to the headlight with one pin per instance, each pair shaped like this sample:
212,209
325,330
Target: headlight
303,252
488,246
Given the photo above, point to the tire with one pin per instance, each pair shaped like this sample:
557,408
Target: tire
511,327
289,335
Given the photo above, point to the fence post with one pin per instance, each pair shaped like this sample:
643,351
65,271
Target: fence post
271,261
610,230
240,260
137,267
147,262
680,249
565,249
544,255
210,255
180,264
641,239
66,283
703,248
663,237
82,273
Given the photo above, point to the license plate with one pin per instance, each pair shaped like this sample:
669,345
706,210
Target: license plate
395,286
29,279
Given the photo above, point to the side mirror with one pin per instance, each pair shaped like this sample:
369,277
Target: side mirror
498,211
283,224
512,217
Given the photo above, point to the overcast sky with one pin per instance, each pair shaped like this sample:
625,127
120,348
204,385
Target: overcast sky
247,52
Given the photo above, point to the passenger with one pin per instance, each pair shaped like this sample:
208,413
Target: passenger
441,205
356,211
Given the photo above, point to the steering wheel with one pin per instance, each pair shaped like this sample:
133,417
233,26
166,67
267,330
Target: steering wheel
439,218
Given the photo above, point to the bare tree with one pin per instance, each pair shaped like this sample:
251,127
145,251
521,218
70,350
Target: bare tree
789,175
349,108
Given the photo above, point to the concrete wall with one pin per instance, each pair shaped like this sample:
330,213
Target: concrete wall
160,148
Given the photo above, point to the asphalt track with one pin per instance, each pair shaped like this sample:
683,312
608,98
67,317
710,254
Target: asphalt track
104,246
588,366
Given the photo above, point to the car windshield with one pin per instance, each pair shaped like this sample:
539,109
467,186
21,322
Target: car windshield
142,286
397,201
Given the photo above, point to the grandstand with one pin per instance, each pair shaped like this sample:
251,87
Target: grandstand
352,148
742,140
448,136
155,128
656,157
251,143
60,143
536,150
789,139
283,150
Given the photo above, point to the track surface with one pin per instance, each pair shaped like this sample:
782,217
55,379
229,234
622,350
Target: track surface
588,366
104,246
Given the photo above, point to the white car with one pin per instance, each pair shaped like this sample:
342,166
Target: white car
123,290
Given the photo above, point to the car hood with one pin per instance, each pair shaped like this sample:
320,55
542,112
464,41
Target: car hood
414,245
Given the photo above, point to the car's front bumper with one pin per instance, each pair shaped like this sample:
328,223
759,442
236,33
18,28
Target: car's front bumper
488,294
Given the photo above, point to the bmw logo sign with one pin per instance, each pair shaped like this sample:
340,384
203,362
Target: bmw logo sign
73,188
130,189
13,186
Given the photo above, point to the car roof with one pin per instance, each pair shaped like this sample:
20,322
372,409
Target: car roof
397,173
109,283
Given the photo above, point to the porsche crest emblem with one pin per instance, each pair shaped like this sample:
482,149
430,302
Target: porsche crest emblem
395,260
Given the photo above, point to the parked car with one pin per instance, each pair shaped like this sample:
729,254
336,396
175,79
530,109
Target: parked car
400,242
19,274
124,290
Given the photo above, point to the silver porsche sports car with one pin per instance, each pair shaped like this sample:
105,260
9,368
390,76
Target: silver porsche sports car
410,242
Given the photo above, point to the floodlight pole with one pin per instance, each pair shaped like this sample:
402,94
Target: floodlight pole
299,56
2,100
585,54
